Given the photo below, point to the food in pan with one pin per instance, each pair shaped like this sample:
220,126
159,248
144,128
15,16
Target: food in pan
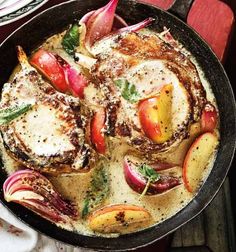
107,128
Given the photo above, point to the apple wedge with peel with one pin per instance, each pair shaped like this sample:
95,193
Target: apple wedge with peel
46,63
208,118
155,115
64,77
197,159
97,134
117,218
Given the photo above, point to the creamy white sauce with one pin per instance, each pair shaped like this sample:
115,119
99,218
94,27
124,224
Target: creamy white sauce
161,207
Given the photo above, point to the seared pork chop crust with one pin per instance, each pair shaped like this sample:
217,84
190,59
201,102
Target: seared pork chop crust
49,137
127,51
54,135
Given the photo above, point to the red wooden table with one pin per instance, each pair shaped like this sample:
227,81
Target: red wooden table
212,19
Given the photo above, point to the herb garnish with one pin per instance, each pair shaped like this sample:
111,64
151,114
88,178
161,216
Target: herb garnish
99,191
71,39
149,174
9,114
128,90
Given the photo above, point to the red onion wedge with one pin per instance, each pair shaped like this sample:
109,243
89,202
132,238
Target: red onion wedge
99,23
87,23
161,166
86,17
118,23
34,191
76,81
138,182
136,27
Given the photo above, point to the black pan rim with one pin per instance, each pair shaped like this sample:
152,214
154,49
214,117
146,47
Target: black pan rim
103,243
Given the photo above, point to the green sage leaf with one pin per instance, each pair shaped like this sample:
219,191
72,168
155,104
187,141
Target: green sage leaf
98,192
150,175
11,113
128,91
71,39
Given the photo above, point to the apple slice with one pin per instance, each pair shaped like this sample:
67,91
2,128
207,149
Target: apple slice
155,115
97,126
117,218
60,73
196,160
48,65
208,118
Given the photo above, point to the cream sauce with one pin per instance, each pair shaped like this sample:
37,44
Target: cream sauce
74,186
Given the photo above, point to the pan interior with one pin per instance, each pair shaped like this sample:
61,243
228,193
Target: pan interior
57,19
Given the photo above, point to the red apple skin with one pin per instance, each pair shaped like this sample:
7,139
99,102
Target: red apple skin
97,136
208,118
116,207
150,124
155,115
48,65
185,180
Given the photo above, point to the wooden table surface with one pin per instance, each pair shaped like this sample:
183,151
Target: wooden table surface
213,229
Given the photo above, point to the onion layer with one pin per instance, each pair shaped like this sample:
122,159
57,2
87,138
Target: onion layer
138,182
34,191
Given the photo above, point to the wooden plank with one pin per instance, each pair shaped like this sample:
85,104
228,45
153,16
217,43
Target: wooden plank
214,228
177,239
193,233
192,249
216,224
214,20
229,216
159,246
164,4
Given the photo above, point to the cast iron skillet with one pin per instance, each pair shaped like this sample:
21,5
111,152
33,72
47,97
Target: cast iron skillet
54,20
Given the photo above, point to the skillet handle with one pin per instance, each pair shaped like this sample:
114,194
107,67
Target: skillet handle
181,8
